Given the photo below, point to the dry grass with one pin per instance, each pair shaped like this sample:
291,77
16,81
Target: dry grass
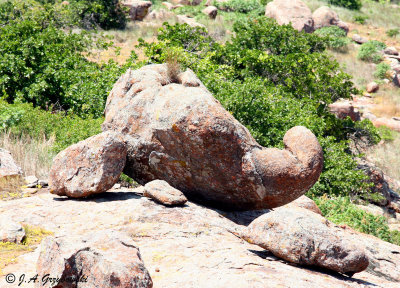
32,155
387,102
387,157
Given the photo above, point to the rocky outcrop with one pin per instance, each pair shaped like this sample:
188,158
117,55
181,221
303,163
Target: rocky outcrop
344,109
391,51
8,166
291,11
183,19
306,203
303,237
11,231
138,9
163,193
210,11
325,17
101,259
388,122
88,167
178,132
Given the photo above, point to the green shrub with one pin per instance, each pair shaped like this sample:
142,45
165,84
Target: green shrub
340,210
370,51
271,78
381,70
387,134
242,6
360,19
393,32
336,38
350,4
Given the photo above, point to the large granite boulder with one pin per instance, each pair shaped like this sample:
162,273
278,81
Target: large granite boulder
303,237
88,167
325,17
101,259
291,11
178,132
138,9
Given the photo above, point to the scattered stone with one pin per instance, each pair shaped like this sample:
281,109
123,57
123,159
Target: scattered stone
31,181
43,183
88,167
101,259
291,11
210,11
183,19
161,14
8,166
138,9
372,87
300,236
187,2
204,151
358,39
163,193
306,203
325,17
391,51
11,231
116,186
344,109
390,123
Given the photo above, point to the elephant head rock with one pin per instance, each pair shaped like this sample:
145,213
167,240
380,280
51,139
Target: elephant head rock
177,131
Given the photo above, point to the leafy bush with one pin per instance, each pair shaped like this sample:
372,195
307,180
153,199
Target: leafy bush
393,32
360,19
336,38
340,210
242,6
381,70
271,78
370,51
350,4
9,115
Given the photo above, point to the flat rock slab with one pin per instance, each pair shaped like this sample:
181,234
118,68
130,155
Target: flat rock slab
162,192
188,247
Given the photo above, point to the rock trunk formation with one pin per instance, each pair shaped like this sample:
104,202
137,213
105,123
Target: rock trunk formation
178,132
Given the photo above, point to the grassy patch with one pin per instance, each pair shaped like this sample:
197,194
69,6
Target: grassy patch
9,252
340,210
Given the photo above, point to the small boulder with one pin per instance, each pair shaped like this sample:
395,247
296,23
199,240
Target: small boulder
31,181
101,259
162,192
11,231
391,51
303,237
358,39
396,79
344,26
8,166
138,9
88,167
372,87
306,203
344,109
291,11
325,17
187,2
183,19
210,11
390,123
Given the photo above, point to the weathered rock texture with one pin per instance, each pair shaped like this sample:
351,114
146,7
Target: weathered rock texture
11,231
178,132
187,2
306,203
88,167
344,109
138,9
291,11
210,11
303,237
325,17
162,192
183,19
102,259
8,167
189,247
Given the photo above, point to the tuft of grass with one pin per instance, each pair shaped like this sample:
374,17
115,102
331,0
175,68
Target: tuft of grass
33,155
341,210
173,66
9,252
10,187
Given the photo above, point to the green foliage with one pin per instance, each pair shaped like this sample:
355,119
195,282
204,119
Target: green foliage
360,19
370,51
9,115
340,210
66,129
271,78
350,4
381,70
242,6
387,134
393,32
336,38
